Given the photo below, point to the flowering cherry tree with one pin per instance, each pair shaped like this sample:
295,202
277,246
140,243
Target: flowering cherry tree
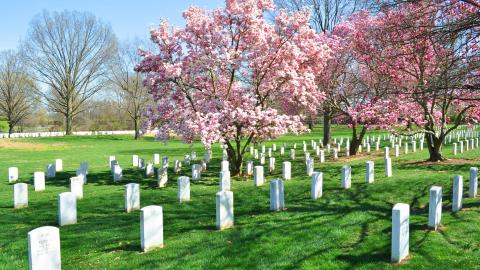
355,91
433,74
233,77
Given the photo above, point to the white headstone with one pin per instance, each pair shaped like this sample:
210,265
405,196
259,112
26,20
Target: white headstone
250,167
117,173
224,180
67,208
435,207
135,160
150,170
322,156
20,195
292,153
76,187
58,165
196,172
50,170
388,167
317,185
310,166
277,195
39,181
183,189
132,197
258,176
397,150
457,193
156,158
141,163
370,172
287,170
455,149
400,232
162,174
346,176
386,154
165,162
151,227
224,217
473,182
12,174
44,248
271,164
177,166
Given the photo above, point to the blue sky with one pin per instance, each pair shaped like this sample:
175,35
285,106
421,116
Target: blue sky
128,18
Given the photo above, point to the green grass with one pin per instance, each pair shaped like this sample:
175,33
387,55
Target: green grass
3,126
344,229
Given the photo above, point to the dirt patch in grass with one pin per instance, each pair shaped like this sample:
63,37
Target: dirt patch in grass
360,156
445,162
16,145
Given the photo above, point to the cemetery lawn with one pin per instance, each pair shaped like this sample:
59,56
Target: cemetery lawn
344,229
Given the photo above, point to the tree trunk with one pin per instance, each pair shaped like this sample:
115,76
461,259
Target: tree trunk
10,130
327,123
434,145
235,158
310,125
356,140
68,124
137,133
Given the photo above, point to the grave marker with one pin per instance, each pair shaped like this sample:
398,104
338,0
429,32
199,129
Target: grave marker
224,207
44,248
277,195
346,177
151,227
132,197
400,232
183,189
20,195
258,176
39,181
435,207
317,185
67,208
457,193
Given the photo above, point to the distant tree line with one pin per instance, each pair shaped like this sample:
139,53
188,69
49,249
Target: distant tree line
71,72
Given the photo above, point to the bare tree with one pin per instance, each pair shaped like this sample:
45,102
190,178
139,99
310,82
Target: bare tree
325,15
128,84
69,52
16,89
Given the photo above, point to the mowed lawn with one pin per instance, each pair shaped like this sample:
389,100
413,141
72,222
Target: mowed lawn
344,229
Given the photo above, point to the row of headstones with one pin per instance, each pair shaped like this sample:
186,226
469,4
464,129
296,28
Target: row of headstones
44,242
401,213
321,152
40,176
52,169
465,145
259,178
